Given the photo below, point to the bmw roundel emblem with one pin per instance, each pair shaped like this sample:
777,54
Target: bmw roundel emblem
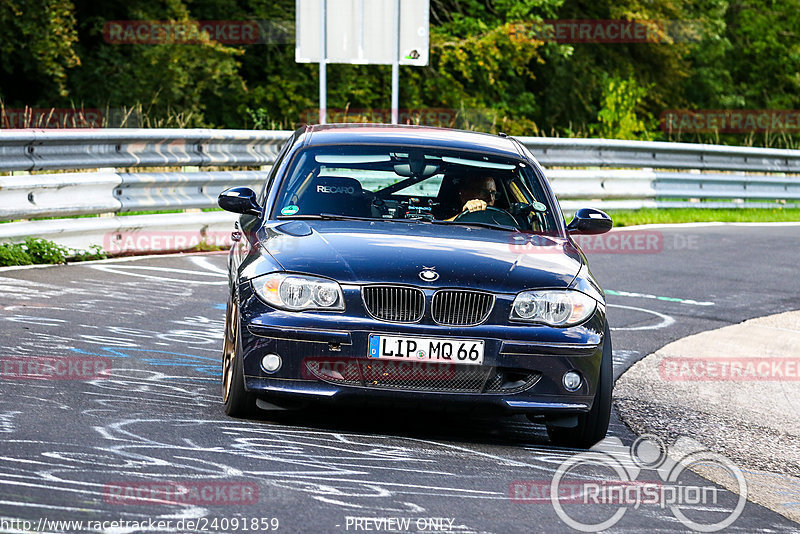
428,274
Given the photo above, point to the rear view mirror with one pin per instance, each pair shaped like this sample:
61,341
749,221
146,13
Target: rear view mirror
239,200
590,221
418,166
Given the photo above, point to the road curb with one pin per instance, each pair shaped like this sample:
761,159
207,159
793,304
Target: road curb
737,390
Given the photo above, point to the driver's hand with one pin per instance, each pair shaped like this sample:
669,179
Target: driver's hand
474,205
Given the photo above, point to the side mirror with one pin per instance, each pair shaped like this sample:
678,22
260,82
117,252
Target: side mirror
590,221
239,200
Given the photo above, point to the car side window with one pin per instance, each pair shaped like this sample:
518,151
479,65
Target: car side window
262,196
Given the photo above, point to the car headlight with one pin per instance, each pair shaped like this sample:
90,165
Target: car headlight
553,307
297,292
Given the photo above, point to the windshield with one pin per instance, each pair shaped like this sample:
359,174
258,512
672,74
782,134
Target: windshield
397,183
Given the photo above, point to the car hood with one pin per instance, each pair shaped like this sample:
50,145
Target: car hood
362,252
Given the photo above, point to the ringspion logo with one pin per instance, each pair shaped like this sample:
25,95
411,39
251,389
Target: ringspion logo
592,491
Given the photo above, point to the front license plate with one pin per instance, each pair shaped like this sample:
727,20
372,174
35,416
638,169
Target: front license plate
427,349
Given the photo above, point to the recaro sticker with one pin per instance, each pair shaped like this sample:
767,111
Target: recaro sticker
336,190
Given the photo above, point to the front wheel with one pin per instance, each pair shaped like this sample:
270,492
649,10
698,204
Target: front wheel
593,425
237,401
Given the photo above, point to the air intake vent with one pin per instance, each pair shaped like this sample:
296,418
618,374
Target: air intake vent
397,304
461,308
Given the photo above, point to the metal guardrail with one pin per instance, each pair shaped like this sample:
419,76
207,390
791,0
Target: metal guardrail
568,152
631,189
611,174
107,191
37,150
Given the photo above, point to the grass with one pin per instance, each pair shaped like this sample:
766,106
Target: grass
688,215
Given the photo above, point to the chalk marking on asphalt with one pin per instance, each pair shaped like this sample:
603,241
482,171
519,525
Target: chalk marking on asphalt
123,259
124,271
327,500
203,263
666,320
115,268
500,459
81,509
292,477
656,297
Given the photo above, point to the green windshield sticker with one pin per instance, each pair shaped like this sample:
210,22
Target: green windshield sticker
290,210
538,206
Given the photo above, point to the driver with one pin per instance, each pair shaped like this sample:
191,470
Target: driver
476,195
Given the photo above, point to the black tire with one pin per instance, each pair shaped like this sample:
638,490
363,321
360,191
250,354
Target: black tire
593,425
237,401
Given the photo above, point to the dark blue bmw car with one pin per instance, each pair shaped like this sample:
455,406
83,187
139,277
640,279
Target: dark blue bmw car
415,266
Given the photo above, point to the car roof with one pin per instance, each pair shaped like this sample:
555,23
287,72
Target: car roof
409,135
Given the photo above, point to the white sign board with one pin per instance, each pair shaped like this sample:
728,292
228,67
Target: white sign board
362,31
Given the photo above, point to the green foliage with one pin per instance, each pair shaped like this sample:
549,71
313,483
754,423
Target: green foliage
764,59
205,246
38,251
261,120
618,118
488,69
43,251
95,252
14,254
37,44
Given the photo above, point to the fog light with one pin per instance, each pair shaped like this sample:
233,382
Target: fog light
572,380
271,363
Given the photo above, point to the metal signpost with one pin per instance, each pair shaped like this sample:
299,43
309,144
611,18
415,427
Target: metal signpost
366,32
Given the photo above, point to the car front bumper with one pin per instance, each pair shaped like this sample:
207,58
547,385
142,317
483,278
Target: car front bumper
522,370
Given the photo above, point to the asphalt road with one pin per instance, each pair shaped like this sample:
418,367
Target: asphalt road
69,446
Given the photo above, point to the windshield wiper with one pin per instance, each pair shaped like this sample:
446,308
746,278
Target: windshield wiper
325,217
480,225
334,217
